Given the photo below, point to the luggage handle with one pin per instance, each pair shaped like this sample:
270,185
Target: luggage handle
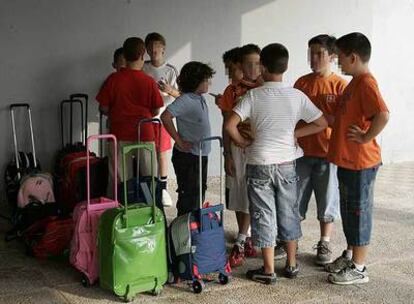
105,205
71,102
13,122
140,123
125,150
85,97
200,162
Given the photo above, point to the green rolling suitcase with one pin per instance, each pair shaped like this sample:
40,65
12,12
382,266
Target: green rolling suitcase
132,248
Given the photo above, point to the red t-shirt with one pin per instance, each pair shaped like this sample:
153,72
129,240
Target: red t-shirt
130,95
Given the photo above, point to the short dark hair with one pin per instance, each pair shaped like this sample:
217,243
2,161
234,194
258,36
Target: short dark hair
134,48
192,74
118,53
152,37
326,41
249,49
356,43
232,55
275,57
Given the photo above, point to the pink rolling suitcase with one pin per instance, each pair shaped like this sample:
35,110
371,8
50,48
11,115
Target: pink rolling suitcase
83,249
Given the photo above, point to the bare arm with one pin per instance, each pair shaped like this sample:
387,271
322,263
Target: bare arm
167,120
379,121
315,126
230,127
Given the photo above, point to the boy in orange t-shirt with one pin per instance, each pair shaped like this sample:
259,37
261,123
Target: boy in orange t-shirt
360,116
235,161
315,173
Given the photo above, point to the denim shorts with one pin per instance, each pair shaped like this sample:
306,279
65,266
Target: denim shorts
318,175
356,190
274,209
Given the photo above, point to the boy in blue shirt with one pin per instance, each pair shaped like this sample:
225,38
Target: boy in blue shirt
193,124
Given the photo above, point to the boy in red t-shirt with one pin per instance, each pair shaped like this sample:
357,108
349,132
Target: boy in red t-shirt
360,116
128,96
315,173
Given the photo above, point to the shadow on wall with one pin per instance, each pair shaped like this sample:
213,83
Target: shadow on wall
57,48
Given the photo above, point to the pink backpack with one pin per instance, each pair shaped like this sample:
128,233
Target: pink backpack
35,188
83,248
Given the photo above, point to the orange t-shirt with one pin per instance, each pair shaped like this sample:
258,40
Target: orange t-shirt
360,102
323,92
231,96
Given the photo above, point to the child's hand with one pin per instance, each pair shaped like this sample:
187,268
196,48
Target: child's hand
165,87
244,142
356,134
185,146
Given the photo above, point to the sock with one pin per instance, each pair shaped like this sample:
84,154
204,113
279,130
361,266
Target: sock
325,239
249,232
348,254
359,267
241,238
163,182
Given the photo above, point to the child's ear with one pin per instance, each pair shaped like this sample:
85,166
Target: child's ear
354,58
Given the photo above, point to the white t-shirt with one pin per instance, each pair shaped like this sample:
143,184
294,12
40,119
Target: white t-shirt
274,109
167,73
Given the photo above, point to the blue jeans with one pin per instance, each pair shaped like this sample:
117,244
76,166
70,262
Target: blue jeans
274,210
318,175
356,189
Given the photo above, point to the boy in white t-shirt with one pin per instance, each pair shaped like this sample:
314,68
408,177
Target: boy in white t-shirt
165,75
274,109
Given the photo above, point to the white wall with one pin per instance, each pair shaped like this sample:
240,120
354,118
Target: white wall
53,48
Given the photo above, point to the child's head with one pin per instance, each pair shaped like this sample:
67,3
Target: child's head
119,59
232,64
274,59
195,77
155,45
354,52
321,52
250,62
134,49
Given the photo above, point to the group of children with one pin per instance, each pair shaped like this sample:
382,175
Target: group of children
281,143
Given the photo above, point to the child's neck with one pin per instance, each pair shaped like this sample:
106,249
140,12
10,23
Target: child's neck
273,77
323,73
360,70
135,65
157,62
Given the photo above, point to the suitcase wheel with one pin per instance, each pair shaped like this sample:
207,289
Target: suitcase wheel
223,279
156,291
198,286
85,281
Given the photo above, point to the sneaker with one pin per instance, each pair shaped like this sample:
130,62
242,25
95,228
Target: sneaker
166,198
349,275
259,275
280,252
249,250
237,257
323,254
340,263
291,272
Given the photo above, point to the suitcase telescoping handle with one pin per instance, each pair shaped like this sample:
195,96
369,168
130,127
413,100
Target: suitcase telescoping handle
13,122
114,203
85,97
200,163
152,121
125,150
71,102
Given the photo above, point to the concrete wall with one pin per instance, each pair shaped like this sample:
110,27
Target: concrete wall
53,48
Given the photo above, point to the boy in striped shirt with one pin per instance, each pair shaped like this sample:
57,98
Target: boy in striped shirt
274,110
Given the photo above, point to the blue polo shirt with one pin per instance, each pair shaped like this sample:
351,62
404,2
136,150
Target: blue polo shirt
191,113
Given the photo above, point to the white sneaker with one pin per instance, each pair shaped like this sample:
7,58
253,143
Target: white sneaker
166,198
